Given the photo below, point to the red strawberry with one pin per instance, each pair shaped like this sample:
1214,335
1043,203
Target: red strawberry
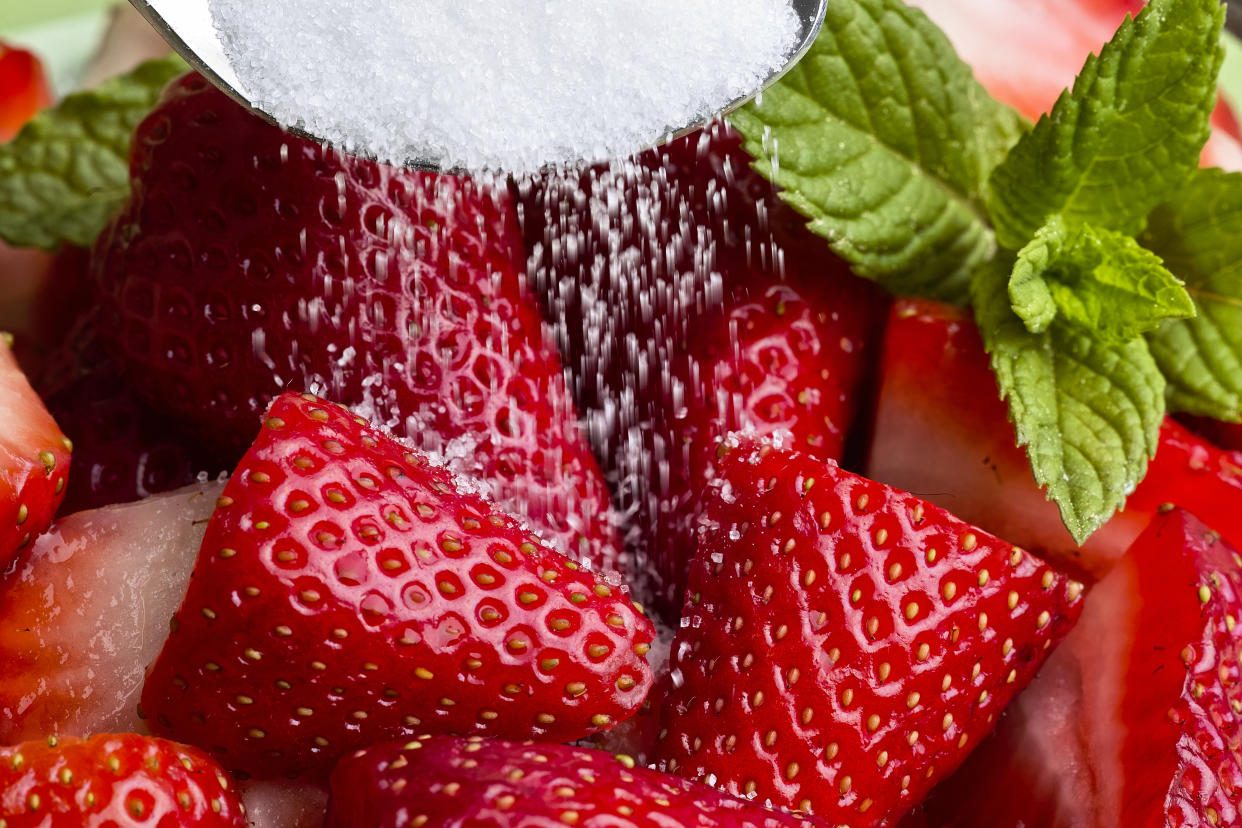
249,261
1027,51
844,644
942,432
722,312
34,461
124,450
348,591
442,781
114,781
1225,435
23,89
85,610
1134,719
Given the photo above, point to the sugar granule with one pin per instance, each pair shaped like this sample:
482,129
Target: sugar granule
508,86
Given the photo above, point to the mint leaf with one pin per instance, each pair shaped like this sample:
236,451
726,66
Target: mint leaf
882,137
1127,135
1098,280
67,171
1199,235
1088,413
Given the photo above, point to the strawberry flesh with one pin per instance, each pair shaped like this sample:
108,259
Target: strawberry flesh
348,591
1133,721
248,262
845,645
112,781
439,782
85,610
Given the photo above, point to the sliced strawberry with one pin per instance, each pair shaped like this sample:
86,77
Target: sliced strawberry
942,432
1027,51
23,89
1133,720
124,450
348,592
114,781
85,610
722,312
844,644
249,261
34,461
442,781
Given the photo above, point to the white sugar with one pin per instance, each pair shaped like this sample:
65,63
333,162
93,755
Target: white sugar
513,85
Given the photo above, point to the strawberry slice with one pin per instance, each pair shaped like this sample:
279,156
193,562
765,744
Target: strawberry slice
34,461
1025,52
112,781
23,89
85,610
1133,720
348,591
941,431
439,782
249,261
844,644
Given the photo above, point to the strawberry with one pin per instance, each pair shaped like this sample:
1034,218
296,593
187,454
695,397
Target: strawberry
1225,435
1133,721
124,450
1025,52
723,312
85,609
845,645
34,459
23,89
349,591
114,781
248,261
941,430
443,781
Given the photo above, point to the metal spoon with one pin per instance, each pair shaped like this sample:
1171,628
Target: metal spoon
188,28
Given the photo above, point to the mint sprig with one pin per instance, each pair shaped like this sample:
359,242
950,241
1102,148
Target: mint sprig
1126,136
880,135
67,171
1100,281
1198,233
883,138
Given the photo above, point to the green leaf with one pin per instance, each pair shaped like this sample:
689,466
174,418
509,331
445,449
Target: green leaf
1129,133
1199,236
67,171
1088,413
882,137
1098,280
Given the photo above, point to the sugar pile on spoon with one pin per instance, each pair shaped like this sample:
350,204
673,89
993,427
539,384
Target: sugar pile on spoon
512,85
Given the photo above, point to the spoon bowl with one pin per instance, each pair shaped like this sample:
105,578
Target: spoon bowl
187,26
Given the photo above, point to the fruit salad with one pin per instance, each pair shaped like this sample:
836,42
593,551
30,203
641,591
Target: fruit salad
868,457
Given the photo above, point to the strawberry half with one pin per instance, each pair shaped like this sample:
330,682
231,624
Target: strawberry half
34,461
348,591
23,89
844,644
442,781
114,781
1134,719
249,261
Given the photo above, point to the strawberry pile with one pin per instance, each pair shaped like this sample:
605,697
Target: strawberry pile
336,495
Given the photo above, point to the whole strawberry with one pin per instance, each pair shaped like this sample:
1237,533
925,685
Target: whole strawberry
845,645
444,782
249,261
348,592
114,781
